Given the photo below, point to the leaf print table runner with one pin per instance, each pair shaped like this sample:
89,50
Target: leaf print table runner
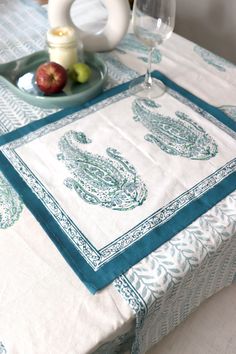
113,180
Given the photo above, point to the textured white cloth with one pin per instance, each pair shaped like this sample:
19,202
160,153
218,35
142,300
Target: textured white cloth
44,308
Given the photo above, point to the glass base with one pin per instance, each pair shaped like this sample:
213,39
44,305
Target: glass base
139,89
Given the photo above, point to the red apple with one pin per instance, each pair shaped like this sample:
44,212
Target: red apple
51,77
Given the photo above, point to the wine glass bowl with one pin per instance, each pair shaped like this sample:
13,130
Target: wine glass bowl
153,23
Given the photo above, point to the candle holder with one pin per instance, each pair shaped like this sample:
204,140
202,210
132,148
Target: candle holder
64,46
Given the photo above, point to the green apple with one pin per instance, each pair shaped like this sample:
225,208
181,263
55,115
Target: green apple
80,72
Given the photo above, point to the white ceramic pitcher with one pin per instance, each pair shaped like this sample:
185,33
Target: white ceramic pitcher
117,23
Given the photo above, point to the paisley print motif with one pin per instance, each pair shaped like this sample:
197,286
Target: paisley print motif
10,204
82,138
109,182
177,135
130,43
219,63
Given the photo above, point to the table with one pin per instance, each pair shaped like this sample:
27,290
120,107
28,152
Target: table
44,307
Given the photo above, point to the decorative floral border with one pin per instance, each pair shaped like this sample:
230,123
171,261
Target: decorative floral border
97,258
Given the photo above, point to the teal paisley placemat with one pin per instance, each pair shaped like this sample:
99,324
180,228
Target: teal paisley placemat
115,179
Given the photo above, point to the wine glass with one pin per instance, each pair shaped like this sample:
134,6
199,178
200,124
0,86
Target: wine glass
153,22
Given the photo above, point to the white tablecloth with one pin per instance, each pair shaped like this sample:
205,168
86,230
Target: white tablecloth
43,305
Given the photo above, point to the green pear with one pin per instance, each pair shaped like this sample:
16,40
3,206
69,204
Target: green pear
80,72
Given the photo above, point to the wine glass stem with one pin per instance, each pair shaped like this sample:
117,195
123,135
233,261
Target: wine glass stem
148,77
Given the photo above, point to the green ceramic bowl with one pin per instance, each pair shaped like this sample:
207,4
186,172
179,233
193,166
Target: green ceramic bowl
19,76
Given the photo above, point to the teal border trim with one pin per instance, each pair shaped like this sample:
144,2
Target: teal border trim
33,126
99,279
107,273
52,118
217,113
